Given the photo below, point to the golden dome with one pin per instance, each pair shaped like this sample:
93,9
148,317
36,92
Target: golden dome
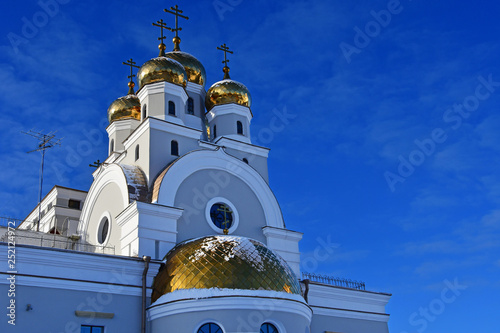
126,107
161,69
226,92
194,69
226,262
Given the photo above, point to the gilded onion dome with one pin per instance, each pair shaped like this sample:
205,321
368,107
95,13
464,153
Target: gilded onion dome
162,69
226,92
194,69
225,262
126,107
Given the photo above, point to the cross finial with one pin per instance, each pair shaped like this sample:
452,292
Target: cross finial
225,49
177,12
96,164
131,83
162,25
226,210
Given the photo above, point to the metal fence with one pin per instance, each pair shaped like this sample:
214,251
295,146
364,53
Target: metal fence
334,281
28,237
7,221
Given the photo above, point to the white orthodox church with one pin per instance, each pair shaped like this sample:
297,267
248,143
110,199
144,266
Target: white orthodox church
180,230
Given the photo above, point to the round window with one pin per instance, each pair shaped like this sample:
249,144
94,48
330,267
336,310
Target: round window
221,215
103,232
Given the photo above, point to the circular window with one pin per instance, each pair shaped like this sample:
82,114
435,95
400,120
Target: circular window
221,215
103,232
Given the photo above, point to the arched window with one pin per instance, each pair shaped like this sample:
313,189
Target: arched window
112,146
239,127
268,328
136,152
245,160
210,328
171,108
190,109
144,111
174,148
215,131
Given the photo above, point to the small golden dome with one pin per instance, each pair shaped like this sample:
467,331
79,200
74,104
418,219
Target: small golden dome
162,69
194,69
226,92
226,262
126,107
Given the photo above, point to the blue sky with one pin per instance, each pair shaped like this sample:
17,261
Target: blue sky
390,153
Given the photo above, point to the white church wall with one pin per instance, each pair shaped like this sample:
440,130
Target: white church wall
220,161
107,197
332,324
241,151
195,192
56,283
232,314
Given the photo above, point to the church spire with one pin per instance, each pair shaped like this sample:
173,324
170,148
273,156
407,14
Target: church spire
131,83
177,12
225,49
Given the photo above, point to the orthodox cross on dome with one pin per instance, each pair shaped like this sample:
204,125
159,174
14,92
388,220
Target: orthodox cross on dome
162,25
225,49
131,84
226,210
177,12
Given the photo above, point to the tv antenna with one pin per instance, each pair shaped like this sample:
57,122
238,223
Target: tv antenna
45,141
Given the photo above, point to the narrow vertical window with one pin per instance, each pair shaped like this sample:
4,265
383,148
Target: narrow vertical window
190,106
174,148
239,127
112,146
144,111
136,152
171,108
215,131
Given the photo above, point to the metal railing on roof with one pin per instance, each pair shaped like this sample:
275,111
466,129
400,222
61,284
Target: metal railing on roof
53,240
334,281
8,221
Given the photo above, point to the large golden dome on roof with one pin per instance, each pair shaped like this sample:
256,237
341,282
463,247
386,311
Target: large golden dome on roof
226,262
162,69
226,92
194,69
126,107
